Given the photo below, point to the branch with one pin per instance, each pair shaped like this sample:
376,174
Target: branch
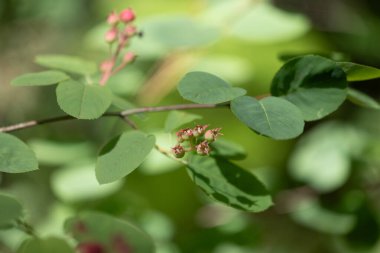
123,115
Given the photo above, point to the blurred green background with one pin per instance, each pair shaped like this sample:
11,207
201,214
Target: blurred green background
326,183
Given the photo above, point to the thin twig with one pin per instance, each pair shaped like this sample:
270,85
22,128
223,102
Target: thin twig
26,227
123,115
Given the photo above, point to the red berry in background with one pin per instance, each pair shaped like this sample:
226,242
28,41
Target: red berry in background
127,15
90,247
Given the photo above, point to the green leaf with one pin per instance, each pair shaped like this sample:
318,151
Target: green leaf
316,85
357,72
10,209
205,88
228,150
40,79
109,232
123,155
362,99
176,119
122,103
15,155
67,63
83,101
322,158
310,213
273,117
264,23
46,245
77,182
225,182
178,31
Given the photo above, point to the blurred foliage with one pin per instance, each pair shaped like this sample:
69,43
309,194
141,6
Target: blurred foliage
325,184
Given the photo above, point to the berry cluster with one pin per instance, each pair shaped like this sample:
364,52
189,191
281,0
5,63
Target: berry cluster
121,31
195,139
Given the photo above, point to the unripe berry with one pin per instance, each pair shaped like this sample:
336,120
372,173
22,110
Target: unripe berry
113,19
203,148
199,129
111,35
178,151
127,15
212,134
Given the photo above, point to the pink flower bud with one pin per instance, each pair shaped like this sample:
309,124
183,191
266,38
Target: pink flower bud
127,15
203,148
178,151
129,57
199,129
212,134
111,35
113,19
106,66
130,30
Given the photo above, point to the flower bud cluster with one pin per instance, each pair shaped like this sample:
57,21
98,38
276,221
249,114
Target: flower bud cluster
121,30
195,139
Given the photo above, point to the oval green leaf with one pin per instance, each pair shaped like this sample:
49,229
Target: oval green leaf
109,233
67,63
176,119
357,72
225,182
228,150
322,158
40,79
316,85
273,117
123,155
10,210
83,101
45,245
204,88
15,155
362,99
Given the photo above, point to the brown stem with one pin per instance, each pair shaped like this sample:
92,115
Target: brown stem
123,114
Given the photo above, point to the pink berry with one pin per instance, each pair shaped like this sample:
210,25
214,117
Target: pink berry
127,15
129,57
212,134
130,30
113,18
111,35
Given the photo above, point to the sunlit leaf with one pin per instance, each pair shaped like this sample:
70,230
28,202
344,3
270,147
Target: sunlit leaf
273,117
123,155
225,182
309,213
357,72
322,158
316,85
40,79
176,119
15,155
178,32
67,63
58,152
262,22
83,101
362,99
77,182
205,88
228,150
45,245
108,232
10,209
